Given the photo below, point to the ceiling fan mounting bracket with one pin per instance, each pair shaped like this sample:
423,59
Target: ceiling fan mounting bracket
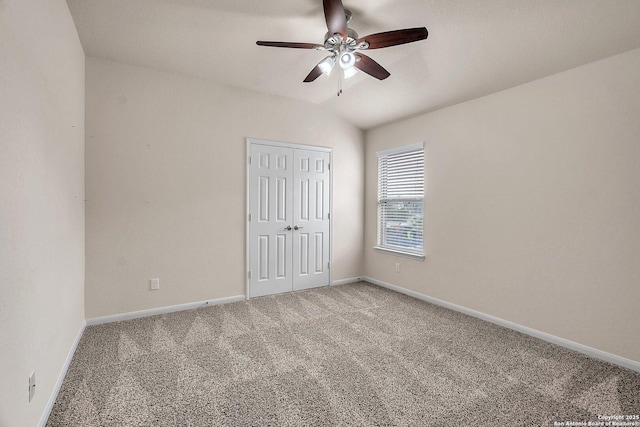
348,14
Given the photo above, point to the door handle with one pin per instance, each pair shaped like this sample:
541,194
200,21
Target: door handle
297,228
288,228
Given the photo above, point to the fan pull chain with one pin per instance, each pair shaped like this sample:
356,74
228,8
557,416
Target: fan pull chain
340,85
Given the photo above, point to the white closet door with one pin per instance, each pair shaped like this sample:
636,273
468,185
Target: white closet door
310,219
271,210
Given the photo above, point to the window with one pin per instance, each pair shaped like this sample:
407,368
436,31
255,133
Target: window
400,200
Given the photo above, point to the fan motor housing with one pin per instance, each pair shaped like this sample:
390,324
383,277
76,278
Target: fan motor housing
352,36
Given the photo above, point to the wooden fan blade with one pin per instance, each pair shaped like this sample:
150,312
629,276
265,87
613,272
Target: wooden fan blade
314,74
291,45
335,17
371,67
394,38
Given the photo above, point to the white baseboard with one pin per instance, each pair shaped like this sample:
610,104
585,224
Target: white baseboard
56,389
580,348
345,281
162,310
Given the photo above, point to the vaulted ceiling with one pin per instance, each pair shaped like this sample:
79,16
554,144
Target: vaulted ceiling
475,47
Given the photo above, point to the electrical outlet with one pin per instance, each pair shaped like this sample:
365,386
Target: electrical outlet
32,386
397,267
155,284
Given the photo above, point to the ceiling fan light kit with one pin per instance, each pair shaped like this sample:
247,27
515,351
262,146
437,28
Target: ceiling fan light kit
327,64
349,72
344,44
347,60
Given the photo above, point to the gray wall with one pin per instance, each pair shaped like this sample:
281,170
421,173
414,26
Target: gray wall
532,205
166,188
41,201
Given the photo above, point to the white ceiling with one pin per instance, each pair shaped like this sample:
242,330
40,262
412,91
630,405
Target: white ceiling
475,47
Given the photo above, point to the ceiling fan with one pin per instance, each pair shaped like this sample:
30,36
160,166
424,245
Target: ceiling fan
345,46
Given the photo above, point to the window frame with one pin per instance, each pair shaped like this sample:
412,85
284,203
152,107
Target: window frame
392,249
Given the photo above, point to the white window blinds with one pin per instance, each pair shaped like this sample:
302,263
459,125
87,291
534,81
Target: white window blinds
400,199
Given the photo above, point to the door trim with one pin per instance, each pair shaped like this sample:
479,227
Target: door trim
247,249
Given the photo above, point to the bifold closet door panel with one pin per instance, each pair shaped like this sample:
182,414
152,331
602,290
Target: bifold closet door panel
271,210
310,219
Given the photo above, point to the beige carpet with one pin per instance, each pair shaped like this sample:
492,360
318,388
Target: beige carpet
349,355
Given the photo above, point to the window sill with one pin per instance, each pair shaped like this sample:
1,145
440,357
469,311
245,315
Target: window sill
400,253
